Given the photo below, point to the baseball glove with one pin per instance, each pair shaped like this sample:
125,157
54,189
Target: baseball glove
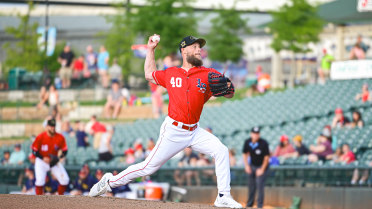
53,160
219,84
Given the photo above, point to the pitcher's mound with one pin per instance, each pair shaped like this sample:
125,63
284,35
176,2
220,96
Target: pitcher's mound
80,202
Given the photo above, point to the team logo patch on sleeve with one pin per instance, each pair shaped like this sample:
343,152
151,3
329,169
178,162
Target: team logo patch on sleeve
202,86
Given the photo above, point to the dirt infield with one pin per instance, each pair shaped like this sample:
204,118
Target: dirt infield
32,201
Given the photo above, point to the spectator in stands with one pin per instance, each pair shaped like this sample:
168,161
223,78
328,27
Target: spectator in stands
81,136
347,156
363,178
114,100
339,120
156,99
129,156
95,128
357,53
83,183
321,149
51,185
171,60
91,60
65,59
5,159
362,44
203,161
102,63
325,67
31,159
256,157
18,156
115,71
364,96
67,129
357,120
53,99
105,148
232,157
78,67
263,80
43,97
150,146
327,131
29,187
301,149
99,174
336,156
284,149
189,159
139,152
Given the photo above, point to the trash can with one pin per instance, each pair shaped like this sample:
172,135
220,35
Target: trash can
14,76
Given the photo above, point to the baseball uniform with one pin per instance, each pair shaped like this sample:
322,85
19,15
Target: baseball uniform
188,92
47,146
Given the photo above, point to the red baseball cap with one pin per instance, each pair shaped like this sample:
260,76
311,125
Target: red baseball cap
283,138
138,146
338,111
129,151
31,156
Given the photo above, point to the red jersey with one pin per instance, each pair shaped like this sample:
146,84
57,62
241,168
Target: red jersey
188,91
47,145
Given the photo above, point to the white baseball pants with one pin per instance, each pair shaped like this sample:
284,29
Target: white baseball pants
173,139
41,169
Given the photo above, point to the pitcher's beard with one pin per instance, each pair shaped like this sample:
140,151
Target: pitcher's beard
194,60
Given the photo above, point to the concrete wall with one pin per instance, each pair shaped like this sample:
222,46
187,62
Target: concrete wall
312,198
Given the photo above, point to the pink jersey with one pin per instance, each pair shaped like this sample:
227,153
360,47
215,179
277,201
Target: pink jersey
188,91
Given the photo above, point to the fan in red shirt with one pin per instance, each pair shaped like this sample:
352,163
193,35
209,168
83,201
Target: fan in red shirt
49,147
347,156
78,67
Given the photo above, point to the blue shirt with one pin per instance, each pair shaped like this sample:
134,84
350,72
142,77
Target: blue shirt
17,157
30,183
121,189
51,186
80,137
102,65
84,185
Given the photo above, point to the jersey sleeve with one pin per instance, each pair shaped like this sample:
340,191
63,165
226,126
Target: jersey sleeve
159,77
36,144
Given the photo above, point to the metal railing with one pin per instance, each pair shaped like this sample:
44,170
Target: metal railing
278,175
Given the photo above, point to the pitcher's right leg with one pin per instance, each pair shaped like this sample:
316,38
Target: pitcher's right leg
164,149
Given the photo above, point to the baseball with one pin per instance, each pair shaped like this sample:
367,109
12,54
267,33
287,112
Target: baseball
156,38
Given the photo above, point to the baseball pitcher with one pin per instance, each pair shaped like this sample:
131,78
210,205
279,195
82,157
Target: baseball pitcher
189,88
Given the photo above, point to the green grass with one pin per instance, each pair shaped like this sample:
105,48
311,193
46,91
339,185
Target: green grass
14,138
17,104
